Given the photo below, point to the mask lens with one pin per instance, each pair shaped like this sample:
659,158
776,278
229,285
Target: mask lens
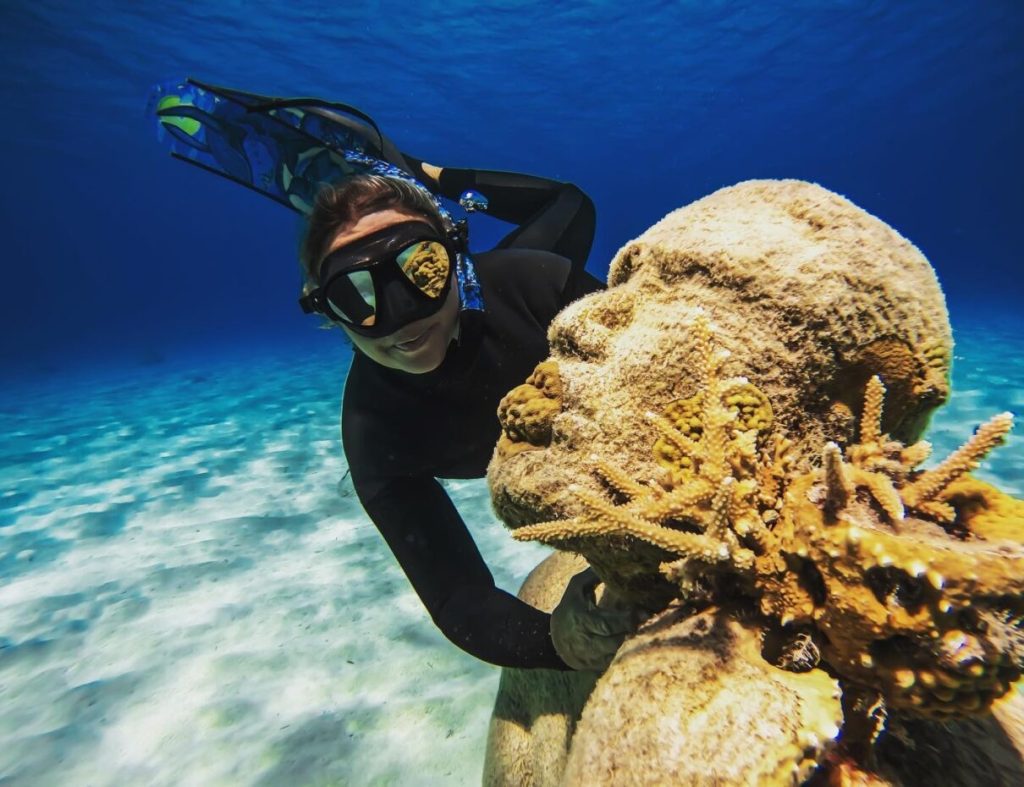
353,298
426,265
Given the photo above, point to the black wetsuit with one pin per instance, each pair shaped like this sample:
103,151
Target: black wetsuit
403,431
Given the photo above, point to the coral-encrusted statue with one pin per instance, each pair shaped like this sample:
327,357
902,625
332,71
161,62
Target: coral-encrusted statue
730,436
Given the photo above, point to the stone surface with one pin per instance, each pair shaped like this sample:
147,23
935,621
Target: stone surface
730,434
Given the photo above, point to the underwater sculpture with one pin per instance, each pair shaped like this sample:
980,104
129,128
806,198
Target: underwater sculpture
730,436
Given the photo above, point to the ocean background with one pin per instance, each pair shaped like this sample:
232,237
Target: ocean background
189,591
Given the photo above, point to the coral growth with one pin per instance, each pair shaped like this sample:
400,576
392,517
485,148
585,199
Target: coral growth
763,476
427,266
901,593
527,410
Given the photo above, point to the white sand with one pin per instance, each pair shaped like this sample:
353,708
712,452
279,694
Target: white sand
190,597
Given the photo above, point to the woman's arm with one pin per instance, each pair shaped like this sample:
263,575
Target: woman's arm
441,560
552,216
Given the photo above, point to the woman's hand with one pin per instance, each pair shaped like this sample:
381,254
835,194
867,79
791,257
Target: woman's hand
433,173
428,174
586,636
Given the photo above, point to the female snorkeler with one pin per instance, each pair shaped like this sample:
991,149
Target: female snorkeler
439,338
422,394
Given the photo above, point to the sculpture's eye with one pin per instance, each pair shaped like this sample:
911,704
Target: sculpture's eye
579,339
586,328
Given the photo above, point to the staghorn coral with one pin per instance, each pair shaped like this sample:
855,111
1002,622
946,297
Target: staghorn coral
788,501
927,618
709,505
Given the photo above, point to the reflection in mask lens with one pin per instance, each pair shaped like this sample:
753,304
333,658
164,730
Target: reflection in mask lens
426,265
353,298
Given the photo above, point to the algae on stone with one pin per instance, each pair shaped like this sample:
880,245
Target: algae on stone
733,430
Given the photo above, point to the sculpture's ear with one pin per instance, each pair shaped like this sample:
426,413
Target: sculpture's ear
916,383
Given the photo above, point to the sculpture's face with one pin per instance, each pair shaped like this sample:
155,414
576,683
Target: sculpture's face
676,434
808,295
908,582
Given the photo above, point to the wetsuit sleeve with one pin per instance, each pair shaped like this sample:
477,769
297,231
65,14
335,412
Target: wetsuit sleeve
437,553
552,216
441,560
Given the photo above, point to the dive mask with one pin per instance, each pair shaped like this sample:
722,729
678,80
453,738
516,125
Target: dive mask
379,283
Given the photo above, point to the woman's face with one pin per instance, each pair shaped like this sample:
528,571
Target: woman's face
419,346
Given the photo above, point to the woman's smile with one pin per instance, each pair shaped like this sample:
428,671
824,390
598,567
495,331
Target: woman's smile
416,341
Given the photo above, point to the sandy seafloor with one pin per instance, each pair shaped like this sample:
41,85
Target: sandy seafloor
191,593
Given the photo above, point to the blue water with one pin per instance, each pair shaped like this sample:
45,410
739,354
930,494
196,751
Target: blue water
189,592
912,109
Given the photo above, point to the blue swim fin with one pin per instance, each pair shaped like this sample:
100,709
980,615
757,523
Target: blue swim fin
284,148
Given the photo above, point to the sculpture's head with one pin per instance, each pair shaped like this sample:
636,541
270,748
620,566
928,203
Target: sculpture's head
808,294
715,428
